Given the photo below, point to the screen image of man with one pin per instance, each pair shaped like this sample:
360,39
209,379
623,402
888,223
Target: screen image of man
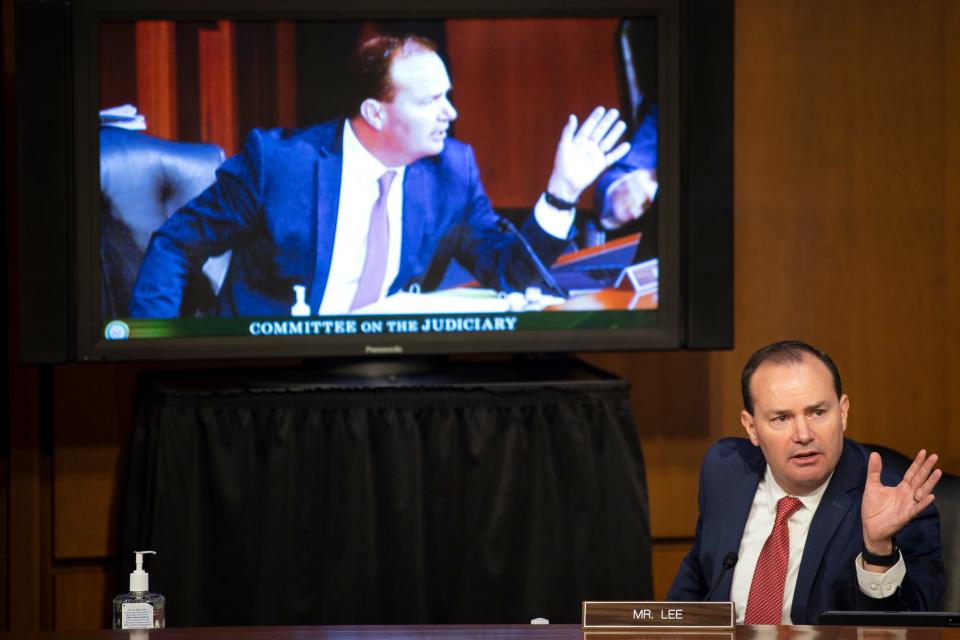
814,520
355,210
627,190
625,197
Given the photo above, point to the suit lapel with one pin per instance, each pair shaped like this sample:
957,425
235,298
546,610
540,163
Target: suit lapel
418,185
329,170
741,492
834,507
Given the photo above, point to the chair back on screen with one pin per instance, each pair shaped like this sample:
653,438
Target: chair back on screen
636,48
144,180
947,492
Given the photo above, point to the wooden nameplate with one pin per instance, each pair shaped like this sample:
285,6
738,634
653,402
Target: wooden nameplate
677,616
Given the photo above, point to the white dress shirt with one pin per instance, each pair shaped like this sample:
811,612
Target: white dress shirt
760,523
358,193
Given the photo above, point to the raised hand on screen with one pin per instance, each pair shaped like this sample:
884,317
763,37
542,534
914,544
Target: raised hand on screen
585,151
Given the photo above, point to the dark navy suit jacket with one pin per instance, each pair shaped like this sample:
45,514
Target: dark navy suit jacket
276,205
827,579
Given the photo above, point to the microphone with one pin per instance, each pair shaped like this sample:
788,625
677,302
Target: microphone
506,226
729,561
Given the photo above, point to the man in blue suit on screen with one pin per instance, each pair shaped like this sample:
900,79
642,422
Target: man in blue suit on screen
351,211
809,521
627,190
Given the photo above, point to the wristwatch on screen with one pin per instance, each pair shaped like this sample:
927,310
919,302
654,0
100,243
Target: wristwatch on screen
558,203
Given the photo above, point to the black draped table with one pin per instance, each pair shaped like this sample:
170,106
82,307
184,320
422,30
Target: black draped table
471,493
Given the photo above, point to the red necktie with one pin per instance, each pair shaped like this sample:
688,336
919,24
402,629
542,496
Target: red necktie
765,603
378,244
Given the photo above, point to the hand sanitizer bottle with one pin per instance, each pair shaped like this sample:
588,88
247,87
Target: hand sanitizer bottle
140,608
300,307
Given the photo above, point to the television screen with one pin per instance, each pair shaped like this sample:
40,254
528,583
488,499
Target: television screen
254,181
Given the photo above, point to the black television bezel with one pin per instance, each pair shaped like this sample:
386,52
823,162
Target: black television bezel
679,278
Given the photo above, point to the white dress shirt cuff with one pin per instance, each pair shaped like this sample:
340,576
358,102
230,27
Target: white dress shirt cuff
556,222
880,585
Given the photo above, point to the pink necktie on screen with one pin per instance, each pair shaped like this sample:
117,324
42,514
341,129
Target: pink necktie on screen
378,245
765,603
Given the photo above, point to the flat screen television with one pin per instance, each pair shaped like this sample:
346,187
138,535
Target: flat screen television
187,158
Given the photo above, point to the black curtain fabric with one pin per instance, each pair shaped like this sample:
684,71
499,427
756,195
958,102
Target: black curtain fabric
493,504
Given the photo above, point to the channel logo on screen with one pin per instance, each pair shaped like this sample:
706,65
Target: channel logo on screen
116,330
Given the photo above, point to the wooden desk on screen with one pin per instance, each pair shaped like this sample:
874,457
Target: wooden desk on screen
493,632
607,299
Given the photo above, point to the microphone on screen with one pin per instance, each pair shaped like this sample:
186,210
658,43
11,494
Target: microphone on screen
506,226
729,561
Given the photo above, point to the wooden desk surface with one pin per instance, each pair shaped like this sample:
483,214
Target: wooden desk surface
494,632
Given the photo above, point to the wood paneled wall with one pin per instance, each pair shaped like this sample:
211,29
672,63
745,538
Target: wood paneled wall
847,204
515,98
218,86
156,57
183,76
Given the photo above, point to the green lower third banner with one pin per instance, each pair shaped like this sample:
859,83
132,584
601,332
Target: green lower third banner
143,328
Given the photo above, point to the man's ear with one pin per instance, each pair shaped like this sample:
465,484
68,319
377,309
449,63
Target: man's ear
747,421
373,114
844,410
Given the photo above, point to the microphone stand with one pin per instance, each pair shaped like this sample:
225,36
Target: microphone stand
729,561
508,227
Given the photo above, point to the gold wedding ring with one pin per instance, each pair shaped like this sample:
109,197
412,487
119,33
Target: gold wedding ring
916,499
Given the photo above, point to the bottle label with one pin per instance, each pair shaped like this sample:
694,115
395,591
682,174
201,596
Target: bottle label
136,615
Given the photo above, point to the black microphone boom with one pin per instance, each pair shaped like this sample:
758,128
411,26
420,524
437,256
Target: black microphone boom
505,225
729,561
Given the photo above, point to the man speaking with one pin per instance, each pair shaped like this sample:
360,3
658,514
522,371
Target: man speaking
355,210
815,521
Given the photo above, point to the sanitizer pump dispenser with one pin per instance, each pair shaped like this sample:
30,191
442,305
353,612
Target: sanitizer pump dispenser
139,608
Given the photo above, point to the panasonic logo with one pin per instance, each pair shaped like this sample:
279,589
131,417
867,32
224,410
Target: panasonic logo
377,350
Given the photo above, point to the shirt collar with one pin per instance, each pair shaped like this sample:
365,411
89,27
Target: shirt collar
774,492
362,160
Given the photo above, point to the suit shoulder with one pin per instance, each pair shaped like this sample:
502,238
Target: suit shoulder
854,448
277,154
321,136
455,153
455,163
732,453
895,464
454,146
725,447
